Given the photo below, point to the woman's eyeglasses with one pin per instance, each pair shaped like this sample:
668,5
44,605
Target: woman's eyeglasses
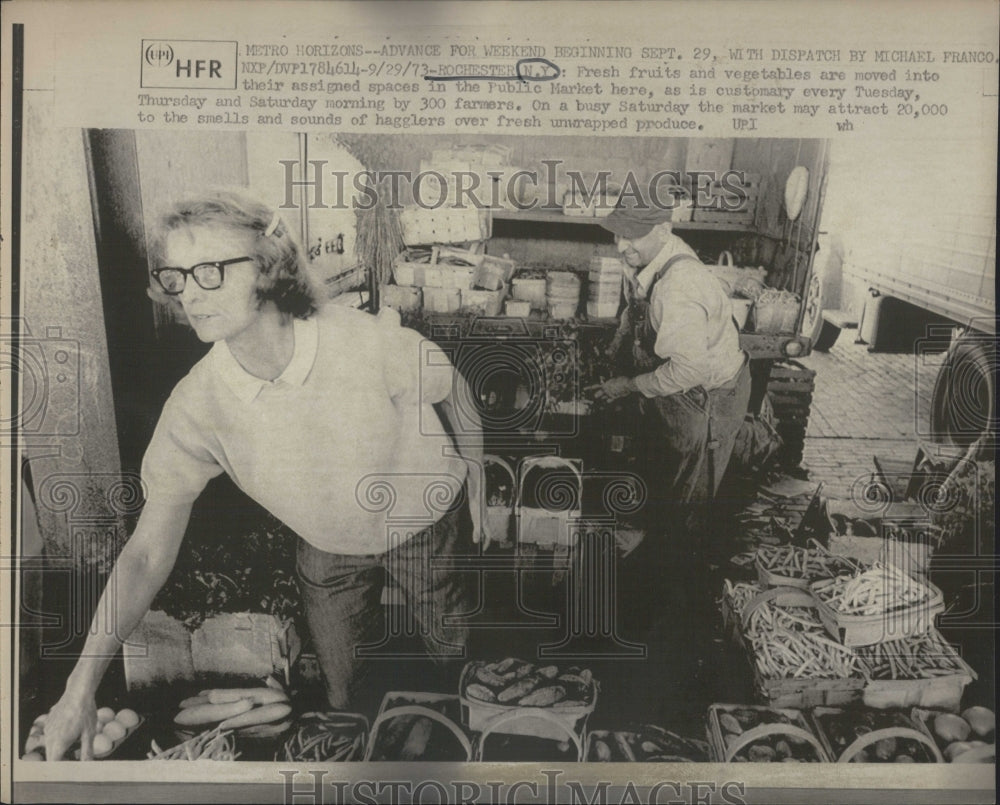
209,276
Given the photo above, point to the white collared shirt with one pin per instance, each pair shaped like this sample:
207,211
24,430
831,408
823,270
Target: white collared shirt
344,443
693,320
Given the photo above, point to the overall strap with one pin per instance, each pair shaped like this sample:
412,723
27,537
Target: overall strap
666,267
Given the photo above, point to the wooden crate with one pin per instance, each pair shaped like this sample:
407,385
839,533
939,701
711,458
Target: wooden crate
441,709
799,729
400,297
896,725
718,201
788,692
790,388
864,630
558,722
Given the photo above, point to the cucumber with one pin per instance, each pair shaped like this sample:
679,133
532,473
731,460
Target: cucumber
211,713
264,714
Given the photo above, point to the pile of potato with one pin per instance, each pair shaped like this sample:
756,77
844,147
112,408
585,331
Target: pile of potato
966,738
646,744
843,728
778,748
412,736
518,683
112,729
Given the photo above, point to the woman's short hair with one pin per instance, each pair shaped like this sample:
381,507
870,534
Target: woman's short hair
280,265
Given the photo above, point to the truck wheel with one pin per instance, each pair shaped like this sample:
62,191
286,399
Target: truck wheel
963,400
822,333
827,337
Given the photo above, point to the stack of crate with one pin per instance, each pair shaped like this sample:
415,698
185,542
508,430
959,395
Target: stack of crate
790,389
730,199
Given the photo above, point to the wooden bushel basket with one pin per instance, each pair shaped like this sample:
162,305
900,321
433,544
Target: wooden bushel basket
545,526
557,722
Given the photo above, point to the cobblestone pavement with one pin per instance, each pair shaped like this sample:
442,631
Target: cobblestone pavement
864,404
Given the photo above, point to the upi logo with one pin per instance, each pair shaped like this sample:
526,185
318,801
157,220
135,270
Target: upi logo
158,54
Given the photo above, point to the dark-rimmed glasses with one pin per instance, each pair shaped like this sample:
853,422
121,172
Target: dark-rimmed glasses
209,276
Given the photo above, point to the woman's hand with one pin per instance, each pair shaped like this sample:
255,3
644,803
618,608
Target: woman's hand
474,486
72,718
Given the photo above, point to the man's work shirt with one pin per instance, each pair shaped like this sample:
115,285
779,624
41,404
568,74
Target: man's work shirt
693,318
346,434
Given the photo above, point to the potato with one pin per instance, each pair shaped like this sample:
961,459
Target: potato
953,750
949,727
885,749
981,720
760,753
602,750
730,724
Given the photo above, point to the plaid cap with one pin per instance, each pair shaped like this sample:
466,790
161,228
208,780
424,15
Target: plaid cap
636,214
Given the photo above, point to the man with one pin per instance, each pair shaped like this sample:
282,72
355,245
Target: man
684,363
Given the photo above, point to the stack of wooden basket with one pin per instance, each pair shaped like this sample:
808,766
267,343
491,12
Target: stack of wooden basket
605,282
562,294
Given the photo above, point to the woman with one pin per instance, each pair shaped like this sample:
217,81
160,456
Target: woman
327,418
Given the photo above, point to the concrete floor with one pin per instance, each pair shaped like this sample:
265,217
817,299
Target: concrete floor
864,404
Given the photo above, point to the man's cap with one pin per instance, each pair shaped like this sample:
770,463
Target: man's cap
635,214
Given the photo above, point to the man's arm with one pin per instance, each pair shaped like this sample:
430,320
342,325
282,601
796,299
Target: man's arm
140,571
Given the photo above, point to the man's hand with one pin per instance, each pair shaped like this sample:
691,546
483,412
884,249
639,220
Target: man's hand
70,719
613,389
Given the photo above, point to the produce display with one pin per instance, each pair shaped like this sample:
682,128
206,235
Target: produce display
916,657
112,730
214,744
646,744
317,737
738,594
790,564
882,589
763,735
791,642
968,738
591,364
518,683
418,727
255,712
874,736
